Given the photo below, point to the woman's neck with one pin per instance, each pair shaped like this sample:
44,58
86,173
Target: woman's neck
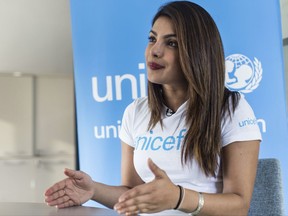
174,98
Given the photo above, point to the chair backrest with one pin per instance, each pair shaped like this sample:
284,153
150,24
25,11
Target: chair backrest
267,196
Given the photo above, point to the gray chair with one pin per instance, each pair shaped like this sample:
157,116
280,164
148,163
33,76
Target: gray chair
267,196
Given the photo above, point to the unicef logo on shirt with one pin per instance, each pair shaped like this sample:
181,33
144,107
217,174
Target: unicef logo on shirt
241,74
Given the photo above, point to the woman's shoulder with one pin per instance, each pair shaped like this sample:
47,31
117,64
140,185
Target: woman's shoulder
243,103
137,110
141,101
242,112
138,104
241,125
237,101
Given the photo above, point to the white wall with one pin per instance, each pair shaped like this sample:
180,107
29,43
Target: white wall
37,134
35,36
284,14
37,128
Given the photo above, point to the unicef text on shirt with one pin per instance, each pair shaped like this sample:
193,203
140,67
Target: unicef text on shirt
247,122
156,143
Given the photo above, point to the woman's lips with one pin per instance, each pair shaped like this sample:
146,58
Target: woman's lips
155,66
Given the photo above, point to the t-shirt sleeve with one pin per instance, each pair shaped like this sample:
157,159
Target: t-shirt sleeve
241,126
125,133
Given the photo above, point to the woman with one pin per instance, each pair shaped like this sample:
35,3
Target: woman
200,159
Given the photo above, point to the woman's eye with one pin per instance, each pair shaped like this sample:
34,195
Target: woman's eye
151,39
172,43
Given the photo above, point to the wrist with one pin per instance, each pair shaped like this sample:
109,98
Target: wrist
199,206
193,202
95,191
180,197
173,197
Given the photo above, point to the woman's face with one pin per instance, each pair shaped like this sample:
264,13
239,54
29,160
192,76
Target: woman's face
162,55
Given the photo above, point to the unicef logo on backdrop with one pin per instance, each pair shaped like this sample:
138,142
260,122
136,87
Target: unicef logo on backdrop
241,74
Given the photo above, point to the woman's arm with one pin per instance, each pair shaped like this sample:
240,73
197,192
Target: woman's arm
108,195
129,176
239,163
78,187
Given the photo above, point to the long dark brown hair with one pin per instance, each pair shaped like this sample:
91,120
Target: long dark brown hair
201,57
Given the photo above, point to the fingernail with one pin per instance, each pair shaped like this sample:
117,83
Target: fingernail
120,212
121,199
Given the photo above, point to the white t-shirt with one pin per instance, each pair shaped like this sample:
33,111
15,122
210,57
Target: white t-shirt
163,146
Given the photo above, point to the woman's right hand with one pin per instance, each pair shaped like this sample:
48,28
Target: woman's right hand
74,190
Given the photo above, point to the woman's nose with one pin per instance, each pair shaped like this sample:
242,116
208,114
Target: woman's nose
157,50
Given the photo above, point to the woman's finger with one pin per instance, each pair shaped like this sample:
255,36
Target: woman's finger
159,173
138,204
137,191
55,188
77,175
55,195
58,201
68,203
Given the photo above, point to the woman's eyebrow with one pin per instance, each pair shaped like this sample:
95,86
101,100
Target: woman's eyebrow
165,36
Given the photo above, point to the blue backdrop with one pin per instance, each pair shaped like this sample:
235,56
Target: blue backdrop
109,39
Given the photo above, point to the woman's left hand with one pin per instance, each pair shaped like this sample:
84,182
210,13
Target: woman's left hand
155,196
